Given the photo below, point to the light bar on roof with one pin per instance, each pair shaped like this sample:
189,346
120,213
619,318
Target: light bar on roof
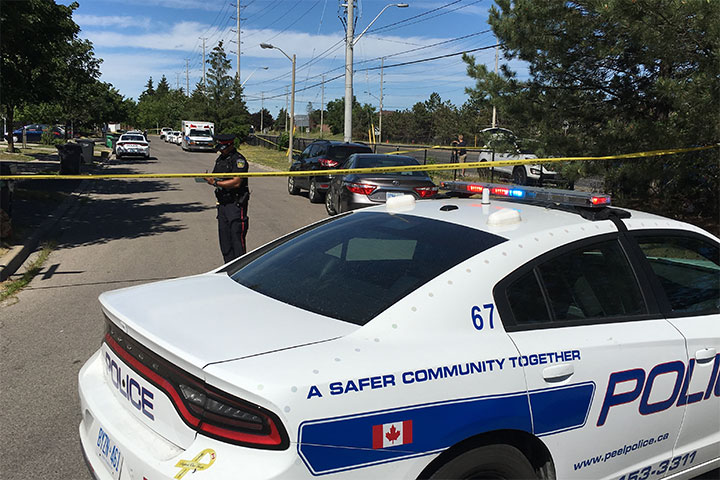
554,196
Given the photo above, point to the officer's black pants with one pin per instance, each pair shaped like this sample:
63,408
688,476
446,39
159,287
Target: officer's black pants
232,229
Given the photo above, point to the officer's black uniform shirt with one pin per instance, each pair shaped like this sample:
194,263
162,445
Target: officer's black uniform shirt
231,163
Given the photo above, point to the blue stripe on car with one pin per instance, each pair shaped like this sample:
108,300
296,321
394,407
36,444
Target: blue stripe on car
344,443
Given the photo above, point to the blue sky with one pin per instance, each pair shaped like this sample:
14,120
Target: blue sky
138,39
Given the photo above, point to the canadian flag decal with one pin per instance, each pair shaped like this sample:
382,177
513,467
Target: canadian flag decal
392,434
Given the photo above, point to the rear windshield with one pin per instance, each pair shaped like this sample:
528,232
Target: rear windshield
341,152
133,138
355,266
388,161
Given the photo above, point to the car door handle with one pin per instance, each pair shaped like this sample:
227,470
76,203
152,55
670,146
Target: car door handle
558,373
705,355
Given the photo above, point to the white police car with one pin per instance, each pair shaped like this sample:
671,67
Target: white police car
453,338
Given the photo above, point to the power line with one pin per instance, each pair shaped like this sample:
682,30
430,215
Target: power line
457,39
412,62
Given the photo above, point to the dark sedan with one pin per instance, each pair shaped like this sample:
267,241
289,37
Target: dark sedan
320,155
357,190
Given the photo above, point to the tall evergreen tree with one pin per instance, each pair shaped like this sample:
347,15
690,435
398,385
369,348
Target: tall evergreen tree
226,106
163,87
613,77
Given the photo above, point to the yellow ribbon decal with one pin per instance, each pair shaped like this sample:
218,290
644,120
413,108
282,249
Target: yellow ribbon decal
195,464
345,171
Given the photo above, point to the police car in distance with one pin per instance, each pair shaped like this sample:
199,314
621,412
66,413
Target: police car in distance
543,335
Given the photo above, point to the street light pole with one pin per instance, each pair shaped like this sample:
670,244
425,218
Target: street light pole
292,101
350,42
251,74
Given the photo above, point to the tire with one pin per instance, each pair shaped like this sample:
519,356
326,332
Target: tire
520,176
329,199
118,156
292,188
489,462
314,194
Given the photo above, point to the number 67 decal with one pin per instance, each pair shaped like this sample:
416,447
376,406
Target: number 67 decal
477,318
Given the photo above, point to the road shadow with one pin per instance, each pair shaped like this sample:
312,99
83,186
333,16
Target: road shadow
132,161
128,187
103,220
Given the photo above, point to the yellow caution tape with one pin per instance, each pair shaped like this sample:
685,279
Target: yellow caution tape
345,171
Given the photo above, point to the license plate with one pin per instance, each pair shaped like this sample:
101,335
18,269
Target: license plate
109,452
393,195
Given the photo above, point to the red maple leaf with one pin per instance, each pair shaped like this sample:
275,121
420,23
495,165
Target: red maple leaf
393,434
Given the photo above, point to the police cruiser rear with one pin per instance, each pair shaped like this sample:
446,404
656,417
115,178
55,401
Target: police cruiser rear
519,333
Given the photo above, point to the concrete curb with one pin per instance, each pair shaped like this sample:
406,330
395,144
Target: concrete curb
14,259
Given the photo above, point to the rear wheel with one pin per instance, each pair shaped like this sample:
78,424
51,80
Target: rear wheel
292,188
329,202
519,176
314,194
490,462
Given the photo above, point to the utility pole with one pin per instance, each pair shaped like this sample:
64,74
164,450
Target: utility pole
286,107
494,115
349,44
187,77
382,65
262,108
203,40
237,26
322,106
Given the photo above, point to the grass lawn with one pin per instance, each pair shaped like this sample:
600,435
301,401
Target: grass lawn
27,154
265,156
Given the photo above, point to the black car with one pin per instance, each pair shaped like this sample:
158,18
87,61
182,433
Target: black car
320,155
357,190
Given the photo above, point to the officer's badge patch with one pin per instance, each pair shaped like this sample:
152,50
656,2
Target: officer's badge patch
241,163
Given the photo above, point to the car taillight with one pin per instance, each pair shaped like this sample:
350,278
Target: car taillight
361,188
328,162
202,407
426,192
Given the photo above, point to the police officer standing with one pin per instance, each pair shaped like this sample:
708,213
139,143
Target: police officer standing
232,198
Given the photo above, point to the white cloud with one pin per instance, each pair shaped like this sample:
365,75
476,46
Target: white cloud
182,36
111,21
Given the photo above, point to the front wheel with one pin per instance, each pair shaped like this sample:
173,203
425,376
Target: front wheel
314,194
520,176
292,188
490,462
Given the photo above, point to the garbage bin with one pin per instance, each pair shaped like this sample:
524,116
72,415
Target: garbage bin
88,147
70,155
111,139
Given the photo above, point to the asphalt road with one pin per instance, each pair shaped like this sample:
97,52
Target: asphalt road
120,233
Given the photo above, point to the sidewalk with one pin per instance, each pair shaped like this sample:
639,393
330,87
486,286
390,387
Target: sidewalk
37,206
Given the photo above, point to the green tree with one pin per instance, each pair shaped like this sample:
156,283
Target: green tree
226,106
163,87
149,91
267,119
610,77
37,37
362,117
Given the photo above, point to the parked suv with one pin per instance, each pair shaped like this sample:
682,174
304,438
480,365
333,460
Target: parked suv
505,146
320,155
